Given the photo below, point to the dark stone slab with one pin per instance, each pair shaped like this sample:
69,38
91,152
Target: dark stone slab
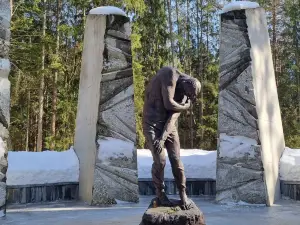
173,215
111,88
194,187
42,193
290,189
118,35
118,23
124,46
116,75
234,15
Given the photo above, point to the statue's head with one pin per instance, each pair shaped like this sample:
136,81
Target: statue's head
190,86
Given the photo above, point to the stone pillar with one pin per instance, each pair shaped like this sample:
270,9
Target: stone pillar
105,131
251,138
4,98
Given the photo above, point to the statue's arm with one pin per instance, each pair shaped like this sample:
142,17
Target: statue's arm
171,122
170,125
168,92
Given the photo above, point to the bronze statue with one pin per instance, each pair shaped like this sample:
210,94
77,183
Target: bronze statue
168,94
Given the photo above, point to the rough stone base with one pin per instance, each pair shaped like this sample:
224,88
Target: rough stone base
173,215
113,183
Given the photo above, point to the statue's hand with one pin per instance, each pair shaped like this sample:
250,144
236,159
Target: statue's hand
159,145
187,104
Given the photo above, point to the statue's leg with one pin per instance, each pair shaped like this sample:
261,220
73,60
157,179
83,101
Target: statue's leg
173,148
159,161
158,166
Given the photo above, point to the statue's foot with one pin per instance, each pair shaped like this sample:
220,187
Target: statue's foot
185,203
163,200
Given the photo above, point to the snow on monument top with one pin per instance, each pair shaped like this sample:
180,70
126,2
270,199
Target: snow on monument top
238,5
107,10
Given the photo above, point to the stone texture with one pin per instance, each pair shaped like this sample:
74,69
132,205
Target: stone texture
243,169
116,177
235,176
4,98
173,215
4,101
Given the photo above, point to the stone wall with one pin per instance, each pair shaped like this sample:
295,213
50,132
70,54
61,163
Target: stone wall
105,133
4,98
116,164
55,192
250,129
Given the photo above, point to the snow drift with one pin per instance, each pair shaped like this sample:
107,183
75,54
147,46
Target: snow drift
27,168
197,163
290,165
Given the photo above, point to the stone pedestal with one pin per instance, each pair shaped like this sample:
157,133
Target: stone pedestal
105,130
172,215
4,98
251,137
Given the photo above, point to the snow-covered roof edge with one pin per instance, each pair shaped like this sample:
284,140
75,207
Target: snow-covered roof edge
238,5
107,10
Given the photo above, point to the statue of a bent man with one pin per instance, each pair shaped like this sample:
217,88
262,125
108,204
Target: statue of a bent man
168,94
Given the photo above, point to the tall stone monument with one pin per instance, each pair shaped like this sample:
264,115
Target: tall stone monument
5,17
105,134
251,138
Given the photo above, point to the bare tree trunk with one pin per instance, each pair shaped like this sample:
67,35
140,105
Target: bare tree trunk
11,7
297,56
28,122
171,31
54,94
39,144
191,127
35,136
178,31
187,35
274,37
18,83
201,70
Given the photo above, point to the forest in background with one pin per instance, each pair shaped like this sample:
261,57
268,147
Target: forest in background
46,47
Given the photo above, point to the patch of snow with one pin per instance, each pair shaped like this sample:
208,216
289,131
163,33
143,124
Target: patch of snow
25,168
238,5
290,165
119,202
197,163
241,203
107,10
236,146
114,148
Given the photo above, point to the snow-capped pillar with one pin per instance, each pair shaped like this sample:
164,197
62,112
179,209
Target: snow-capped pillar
250,130
4,99
105,131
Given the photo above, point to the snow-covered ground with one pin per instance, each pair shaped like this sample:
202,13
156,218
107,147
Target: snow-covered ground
46,167
107,10
197,164
238,5
290,165
25,168
285,212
